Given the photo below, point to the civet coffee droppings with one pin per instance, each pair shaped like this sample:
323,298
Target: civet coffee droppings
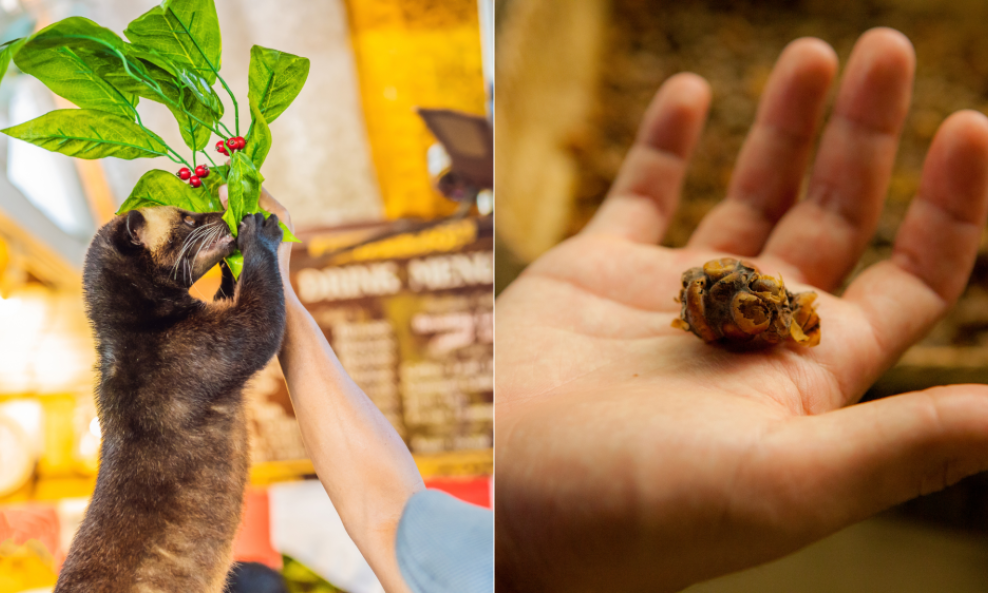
731,301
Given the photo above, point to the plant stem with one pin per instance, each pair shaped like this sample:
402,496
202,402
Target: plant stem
177,158
236,108
228,132
180,159
209,158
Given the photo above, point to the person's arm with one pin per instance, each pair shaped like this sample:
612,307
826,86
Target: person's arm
359,458
361,461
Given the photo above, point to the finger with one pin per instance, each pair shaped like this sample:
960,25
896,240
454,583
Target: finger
770,168
646,190
224,196
936,244
825,234
865,458
273,206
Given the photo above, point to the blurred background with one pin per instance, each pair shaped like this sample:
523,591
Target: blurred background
574,79
398,275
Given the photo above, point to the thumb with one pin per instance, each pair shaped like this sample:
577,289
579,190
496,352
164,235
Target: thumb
224,197
869,457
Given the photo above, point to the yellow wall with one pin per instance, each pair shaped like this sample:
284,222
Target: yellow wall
413,53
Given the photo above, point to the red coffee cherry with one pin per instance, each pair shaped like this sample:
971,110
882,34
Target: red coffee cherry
221,146
232,143
184,173
241,143
202,171
195,181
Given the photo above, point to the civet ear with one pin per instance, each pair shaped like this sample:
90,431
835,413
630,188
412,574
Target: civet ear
134,225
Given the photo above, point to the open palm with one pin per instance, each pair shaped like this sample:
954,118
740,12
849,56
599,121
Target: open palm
631,455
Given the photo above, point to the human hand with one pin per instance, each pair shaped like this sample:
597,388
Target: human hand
631,456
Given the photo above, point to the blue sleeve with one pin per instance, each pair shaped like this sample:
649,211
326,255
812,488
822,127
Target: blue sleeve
445,545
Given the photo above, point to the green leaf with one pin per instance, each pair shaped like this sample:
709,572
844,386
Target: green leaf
151,56
258,138
243,190
195,134
233,215
9,49
161,188
133,203
66,56
88,134
289,236
183,32
216,179
200,88
236,263
147,78
275,79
